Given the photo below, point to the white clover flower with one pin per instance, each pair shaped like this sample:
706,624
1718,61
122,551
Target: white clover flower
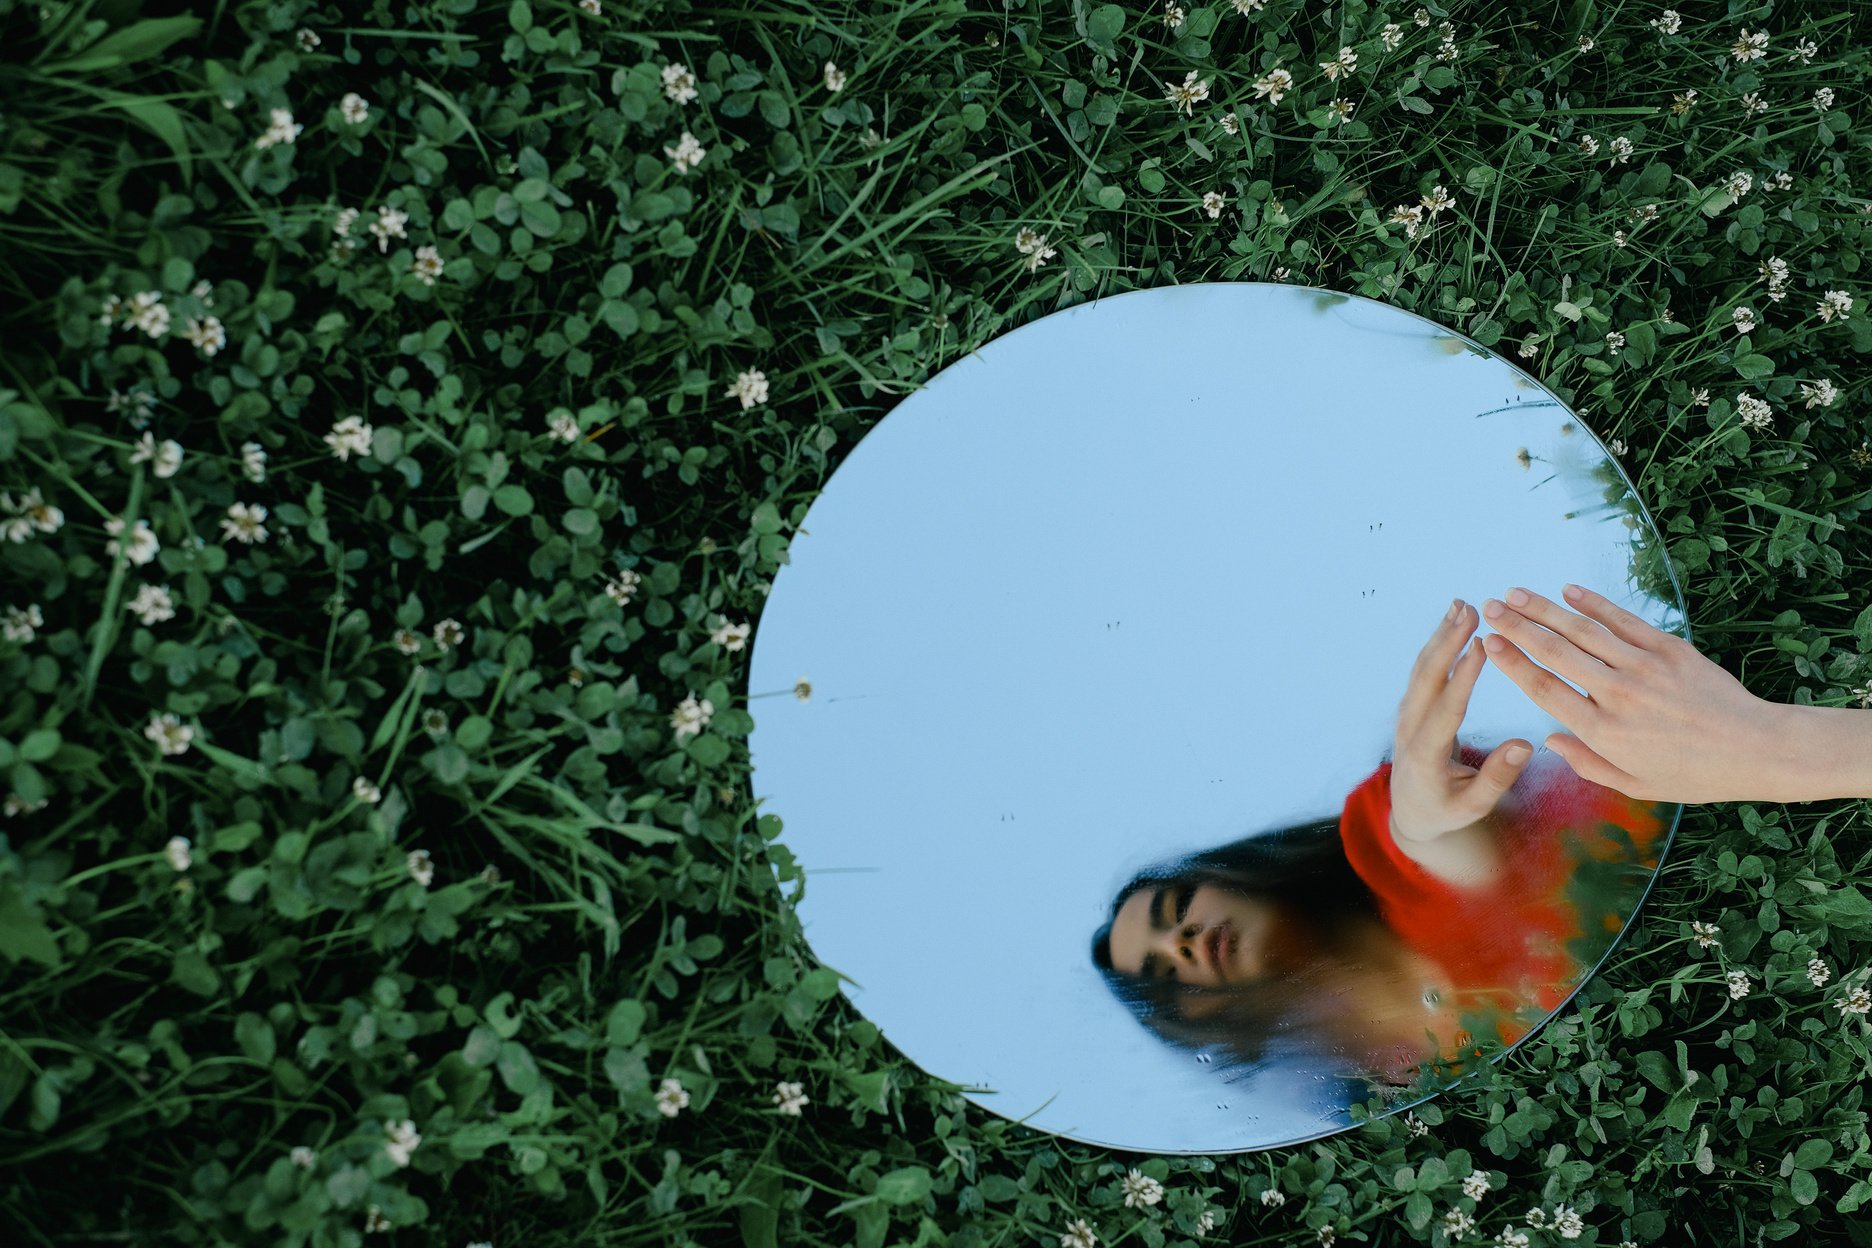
307,40
1172,15
1587,43
1669,22
22,625
691,717
1213,202
1341,110
678,83
245,523
1437,200
1410,216
1391,36
1230,124
350,436
1446,51
1835,303
177,852
750,386
1033,245
420,866
1421,17
427,265
1744,319
164,460
1823,99
1615,341
623,587
1818,972
449,634
1273,1198
1780,180
1702,399
1588,145
1681,102
592,7
435,722
1078,1234
37,514
563,425
731,637
1616,446
403,1140
170,734
207,333
1805,50
388,225
354,108
1415,1127
671,1099
366,792
1273,85
687,153
1739,184
1188,94
280,130
341,226
1753,103
405,641
1457,1223
1749,47
1738,985
1568,1222
152,604
1206,1222
141,546
1246,7
253,461
304,1157
1858,1001
375,1222
1344,63
148,313
1140,1190
1621,150
790,1098
1530,347
1619,239
1755,412
1511,1238
834,78
1820,393
1476,1186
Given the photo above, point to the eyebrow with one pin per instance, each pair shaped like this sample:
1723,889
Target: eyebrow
1158,924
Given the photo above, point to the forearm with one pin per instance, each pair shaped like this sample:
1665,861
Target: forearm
1827,754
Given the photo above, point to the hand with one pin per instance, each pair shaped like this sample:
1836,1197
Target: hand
1432,791
1658,720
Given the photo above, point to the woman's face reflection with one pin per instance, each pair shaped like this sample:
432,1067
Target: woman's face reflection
1198,934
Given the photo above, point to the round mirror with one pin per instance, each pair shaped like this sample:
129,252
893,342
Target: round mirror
1080,694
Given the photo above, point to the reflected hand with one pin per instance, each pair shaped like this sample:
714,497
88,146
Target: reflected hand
1433,792
1659,721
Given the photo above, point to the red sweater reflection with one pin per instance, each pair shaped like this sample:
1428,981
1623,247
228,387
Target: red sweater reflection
1507,944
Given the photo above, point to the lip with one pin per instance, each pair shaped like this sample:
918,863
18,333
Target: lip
1215,947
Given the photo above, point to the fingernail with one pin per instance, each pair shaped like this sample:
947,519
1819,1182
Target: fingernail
1494,643
1492,609
1454,607
1517,597
1516,754
1574,593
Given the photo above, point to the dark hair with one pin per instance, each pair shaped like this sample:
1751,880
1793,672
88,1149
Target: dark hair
1303,867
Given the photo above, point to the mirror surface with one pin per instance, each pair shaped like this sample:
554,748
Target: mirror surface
1147,578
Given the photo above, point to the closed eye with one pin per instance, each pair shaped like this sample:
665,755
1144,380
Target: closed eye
1184,896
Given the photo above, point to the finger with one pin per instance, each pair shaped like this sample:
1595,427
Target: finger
1431,671
1549,692
1588,635
1496,776
1548,648
1436,734
1590,766
1622,623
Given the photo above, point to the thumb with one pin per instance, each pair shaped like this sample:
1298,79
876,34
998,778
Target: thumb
1498,773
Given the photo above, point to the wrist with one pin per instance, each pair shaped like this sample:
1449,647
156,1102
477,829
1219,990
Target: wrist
1824,753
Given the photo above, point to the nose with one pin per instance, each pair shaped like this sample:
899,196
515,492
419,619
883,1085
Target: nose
1180,945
